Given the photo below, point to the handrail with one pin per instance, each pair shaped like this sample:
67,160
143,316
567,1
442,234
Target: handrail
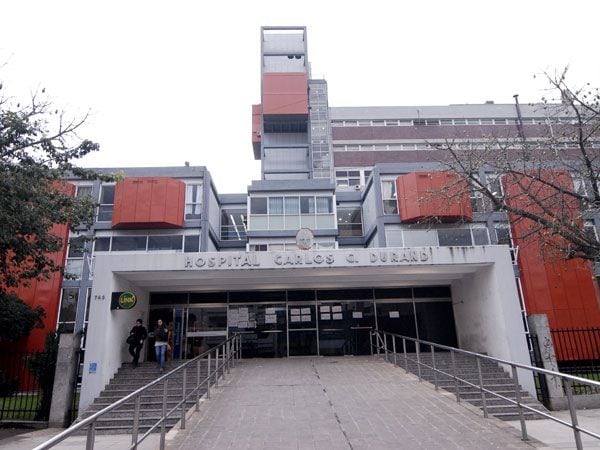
381,337
231,351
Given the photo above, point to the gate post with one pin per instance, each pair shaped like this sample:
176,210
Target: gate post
67,368
538,326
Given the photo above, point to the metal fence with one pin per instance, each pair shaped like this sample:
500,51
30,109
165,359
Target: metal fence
578,353
393,346
219,360
24,379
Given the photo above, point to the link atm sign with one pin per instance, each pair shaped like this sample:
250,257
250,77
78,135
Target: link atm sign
123,300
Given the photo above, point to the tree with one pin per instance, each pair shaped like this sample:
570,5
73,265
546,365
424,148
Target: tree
38,147
549,184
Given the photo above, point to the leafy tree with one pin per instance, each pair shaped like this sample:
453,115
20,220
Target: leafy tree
38,147
548,183
17,318
43,367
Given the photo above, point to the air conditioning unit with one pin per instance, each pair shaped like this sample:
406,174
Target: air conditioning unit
357,187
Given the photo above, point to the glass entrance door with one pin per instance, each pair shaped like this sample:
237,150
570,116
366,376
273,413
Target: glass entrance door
206,327
344,328
262,327
302,330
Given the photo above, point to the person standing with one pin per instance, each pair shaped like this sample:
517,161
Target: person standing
161,337
137,336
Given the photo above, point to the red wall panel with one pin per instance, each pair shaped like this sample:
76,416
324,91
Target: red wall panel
256,113
285,93
46,292
420,197
565,290
149,202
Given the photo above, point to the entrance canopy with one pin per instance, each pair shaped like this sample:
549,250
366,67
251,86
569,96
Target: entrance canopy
304,269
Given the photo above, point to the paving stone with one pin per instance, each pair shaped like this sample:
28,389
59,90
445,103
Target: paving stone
336,403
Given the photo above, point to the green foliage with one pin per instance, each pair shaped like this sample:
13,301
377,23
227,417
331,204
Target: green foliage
17,318
42,366
38,147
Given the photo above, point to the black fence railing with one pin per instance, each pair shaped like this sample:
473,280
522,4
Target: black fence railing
25,388
578,353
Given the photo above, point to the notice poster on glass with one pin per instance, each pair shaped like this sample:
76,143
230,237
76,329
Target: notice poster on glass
233,318
357,315
307,318
394,314
270,318
336,309
252,324
270,311
325,316
242,324
243,313
295,311
338,316
325,309
305,310
295,318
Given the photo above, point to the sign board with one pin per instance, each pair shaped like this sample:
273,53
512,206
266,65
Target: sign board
93,367
122,300
305,239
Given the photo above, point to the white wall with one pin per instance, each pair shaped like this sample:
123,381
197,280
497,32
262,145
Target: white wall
107,330
488,316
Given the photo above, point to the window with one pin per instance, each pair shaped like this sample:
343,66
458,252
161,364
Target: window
389,196
420,238
102,244
494,184
75,258
349,221
164,242
449,237
258,205
590,230
233,224
192,244
68,309
83,191
291,212
193,201
502,234
129,243
257,247
107,202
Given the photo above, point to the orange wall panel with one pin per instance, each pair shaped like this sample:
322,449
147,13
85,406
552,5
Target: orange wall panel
149,202
420,197
285,93
565,290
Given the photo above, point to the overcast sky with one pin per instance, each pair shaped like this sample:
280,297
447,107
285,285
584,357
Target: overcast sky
169,82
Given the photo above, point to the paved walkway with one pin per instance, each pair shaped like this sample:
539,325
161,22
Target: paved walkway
337,403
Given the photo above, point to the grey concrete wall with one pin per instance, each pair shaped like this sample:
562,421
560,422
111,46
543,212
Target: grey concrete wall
64,378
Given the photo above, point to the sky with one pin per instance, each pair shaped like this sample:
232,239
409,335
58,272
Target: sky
170,82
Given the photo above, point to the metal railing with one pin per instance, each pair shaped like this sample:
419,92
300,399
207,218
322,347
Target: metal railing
578,353
380,341
224,356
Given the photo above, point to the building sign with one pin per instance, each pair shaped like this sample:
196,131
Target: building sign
300,259
123,300
305,239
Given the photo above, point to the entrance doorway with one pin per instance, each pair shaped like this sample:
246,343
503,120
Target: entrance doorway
344,328
302,329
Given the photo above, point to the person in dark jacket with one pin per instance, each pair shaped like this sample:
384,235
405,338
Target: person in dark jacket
137,336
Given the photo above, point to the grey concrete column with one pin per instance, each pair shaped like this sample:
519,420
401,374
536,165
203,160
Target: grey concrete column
538,325
64,378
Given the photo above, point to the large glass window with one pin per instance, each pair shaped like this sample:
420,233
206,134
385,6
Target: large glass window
449,237
420,238
291,212
84,191
193,201
107,203
129,243
349,221
389,196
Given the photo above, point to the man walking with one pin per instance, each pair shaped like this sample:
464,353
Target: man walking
137,336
